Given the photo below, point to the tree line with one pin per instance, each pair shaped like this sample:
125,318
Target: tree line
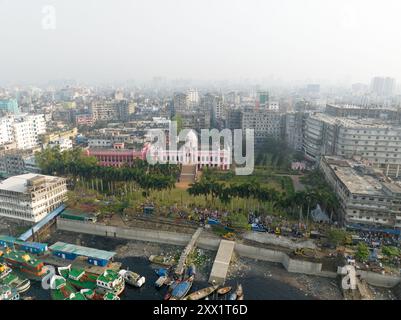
75,165
292,203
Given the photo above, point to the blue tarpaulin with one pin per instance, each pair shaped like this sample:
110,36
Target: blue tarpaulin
374,229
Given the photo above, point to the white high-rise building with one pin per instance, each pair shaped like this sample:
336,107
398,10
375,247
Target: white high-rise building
23,130
192,98
383,86
6,130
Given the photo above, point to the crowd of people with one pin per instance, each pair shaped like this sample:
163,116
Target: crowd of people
378,239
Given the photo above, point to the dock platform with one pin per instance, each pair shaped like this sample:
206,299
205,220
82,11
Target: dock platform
222,262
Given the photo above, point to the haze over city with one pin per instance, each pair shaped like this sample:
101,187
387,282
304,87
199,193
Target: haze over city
286,42
200,150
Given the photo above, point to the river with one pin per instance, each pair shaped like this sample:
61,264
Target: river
260,280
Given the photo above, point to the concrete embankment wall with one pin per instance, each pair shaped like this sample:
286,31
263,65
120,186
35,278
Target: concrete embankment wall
208,243
167,237
379,280
291,265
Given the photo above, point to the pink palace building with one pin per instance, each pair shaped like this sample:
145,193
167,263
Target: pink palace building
188,154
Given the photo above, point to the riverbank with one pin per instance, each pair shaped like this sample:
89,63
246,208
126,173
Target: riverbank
261,280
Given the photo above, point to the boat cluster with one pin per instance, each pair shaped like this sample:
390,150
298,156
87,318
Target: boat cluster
180,285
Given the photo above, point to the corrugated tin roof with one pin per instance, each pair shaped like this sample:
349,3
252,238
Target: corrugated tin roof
82,251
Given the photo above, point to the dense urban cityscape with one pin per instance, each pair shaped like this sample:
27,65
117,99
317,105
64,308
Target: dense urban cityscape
324,195
151,178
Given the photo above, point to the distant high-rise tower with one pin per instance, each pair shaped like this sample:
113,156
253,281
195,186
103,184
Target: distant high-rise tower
180,103
383,86
192,98
262,100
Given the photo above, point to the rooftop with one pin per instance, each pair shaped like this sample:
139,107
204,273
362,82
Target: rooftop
354,123
358,184
20,183
359,178
82,251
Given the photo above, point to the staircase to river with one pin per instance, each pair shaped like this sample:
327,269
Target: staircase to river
188,174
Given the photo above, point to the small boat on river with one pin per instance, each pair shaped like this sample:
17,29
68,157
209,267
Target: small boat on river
132,278
200,294
223,291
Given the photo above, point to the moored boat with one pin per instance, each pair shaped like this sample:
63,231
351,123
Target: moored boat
224,290
132,278
200,294
76,296
233,296
60,289
24,263
164,261
239,292
110,296
161,272
7,277
109,281
160,281
8,293
181,290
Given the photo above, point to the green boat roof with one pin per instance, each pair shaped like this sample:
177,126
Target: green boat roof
76,273
22,256
82,251
77,296
59,282
108,275
109,296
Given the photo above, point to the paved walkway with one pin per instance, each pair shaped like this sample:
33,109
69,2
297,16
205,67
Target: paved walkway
298,185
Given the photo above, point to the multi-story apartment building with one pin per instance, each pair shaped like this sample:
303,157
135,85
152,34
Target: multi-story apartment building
266,123
6,130
9,106
364,112
62,143
234,119
196,120
294,128
180,103
23,130
26,130
14,162
373,140
85,119
104,110
366,197
31,197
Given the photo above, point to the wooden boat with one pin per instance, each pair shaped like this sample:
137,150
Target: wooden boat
200,294
239,292
181,290
170,289
224,290
164,261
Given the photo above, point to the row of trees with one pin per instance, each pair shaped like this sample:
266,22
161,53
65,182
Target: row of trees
74,164
293,203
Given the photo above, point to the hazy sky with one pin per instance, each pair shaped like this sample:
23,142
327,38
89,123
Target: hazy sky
107,40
